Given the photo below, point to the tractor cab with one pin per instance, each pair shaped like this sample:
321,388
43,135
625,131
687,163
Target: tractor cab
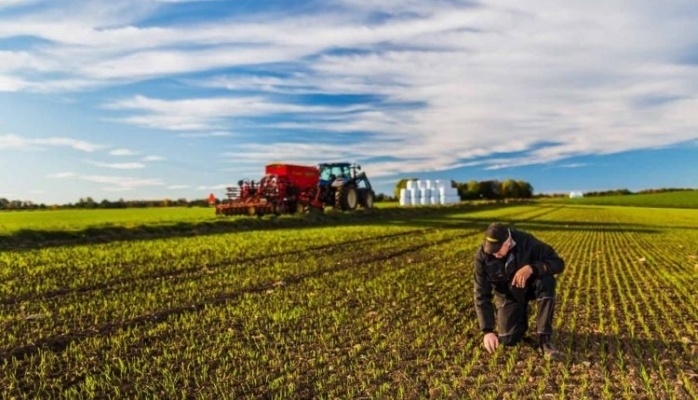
329,173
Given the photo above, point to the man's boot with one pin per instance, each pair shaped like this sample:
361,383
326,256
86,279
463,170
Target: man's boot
546,346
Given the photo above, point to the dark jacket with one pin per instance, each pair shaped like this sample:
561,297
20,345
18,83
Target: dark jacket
493,276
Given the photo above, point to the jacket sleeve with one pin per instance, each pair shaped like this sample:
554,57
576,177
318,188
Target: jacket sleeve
483,298
547,261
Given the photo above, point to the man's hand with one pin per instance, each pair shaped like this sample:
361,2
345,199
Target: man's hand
522,276
491,341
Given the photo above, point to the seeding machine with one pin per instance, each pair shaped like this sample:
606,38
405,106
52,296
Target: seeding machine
288,188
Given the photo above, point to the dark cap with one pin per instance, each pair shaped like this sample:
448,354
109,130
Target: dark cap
495,236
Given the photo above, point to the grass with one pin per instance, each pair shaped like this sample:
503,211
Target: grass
372,305
677,199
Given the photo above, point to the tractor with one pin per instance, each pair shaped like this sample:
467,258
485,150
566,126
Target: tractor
288,188
344,188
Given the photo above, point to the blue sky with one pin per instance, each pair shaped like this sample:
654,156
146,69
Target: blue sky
152,99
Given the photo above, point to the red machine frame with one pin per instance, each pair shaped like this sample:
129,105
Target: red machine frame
285,188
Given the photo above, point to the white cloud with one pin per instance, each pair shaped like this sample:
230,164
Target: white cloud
115,183
62,175
152,158
130,165
11,84
205,134
12,141
122,183
19,142
10,3
574,165
214,187
181,1
123,152
207,113
67,142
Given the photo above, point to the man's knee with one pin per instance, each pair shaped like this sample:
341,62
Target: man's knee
545,286
512,339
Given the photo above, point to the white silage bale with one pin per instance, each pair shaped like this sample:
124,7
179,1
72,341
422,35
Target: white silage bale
424,195
449,199
404,197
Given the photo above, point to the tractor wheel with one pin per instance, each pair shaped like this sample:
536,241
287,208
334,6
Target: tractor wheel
367,199
346,198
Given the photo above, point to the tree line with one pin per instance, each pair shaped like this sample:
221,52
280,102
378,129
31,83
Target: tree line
90,203
470,190
619,192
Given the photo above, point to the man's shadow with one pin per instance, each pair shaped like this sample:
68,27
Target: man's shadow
611,349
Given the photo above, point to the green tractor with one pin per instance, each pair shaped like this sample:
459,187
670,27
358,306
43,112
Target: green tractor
343,187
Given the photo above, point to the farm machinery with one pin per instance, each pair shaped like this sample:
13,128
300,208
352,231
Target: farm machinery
288,188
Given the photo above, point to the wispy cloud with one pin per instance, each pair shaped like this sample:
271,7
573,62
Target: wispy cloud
205,134
574,165
115,183
123,152
10,3
214,187
62,175
11,84
152,158
130,165
208,113
19,142
179,1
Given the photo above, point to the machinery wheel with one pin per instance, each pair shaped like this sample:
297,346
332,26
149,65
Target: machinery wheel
367,199
346,198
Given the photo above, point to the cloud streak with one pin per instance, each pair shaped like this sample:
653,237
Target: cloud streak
23,143
131,165
123,152
112,183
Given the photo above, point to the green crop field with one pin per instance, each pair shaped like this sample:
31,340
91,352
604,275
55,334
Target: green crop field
677,199
176,304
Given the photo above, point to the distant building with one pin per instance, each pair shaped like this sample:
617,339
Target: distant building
576,195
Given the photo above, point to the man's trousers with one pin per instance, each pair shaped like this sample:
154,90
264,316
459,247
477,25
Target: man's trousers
512,309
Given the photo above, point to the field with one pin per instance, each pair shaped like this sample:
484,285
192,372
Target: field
677,199
156,304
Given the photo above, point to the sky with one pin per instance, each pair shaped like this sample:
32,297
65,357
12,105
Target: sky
154,99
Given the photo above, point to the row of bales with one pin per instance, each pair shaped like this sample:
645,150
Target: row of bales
428,192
